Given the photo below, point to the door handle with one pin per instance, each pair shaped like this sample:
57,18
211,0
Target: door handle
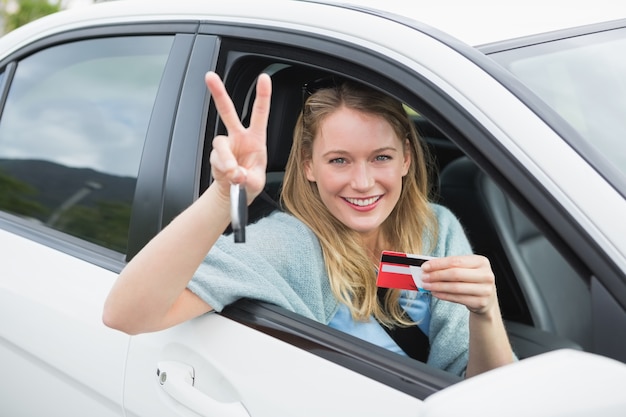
177,381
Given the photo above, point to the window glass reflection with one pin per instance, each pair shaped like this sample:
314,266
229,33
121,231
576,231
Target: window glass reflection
584,79
72,133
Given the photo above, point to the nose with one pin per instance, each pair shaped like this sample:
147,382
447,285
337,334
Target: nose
362,178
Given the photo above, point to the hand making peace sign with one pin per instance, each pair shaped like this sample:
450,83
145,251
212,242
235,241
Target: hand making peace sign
240,157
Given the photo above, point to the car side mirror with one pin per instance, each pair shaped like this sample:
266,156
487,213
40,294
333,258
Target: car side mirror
559,383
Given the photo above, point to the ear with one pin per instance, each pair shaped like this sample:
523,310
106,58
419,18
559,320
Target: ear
308,170
407,157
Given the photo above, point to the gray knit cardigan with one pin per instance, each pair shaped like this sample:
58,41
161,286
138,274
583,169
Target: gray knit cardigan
281,263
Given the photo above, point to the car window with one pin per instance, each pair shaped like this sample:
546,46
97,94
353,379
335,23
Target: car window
72,132
584,80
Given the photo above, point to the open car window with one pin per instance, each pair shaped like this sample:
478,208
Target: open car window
535,281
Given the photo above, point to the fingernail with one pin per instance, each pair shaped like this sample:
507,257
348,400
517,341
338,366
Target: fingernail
240,176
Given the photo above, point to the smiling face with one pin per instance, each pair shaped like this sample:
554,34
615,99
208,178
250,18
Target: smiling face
358,163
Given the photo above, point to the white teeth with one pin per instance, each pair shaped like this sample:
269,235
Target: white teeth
362,202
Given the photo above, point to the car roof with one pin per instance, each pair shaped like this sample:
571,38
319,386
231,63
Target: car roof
475,22
478,22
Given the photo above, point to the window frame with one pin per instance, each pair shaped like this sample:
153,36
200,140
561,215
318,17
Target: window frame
417,91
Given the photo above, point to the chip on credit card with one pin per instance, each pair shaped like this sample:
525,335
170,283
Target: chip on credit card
401,270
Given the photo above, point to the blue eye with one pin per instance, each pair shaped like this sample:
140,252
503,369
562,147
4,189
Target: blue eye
338,161
383,158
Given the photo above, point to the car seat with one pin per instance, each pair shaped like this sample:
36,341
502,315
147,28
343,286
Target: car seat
287,83
536,286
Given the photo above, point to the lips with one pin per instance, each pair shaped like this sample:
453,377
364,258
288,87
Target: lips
362,202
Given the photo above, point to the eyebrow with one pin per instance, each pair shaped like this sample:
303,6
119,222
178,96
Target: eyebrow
342,152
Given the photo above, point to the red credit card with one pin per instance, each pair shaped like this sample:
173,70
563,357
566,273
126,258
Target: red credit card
401,270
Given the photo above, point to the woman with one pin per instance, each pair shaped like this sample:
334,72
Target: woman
355,185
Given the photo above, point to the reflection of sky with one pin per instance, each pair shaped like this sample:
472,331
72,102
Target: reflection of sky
77,133
584,80
90,113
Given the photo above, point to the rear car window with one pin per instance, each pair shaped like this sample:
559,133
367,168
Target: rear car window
72,131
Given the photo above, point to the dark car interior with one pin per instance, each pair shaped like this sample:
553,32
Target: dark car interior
544,301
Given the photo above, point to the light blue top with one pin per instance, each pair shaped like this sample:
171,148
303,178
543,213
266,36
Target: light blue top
281,263
417,306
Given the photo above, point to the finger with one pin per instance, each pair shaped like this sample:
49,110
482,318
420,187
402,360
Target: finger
444,279
473,304
261,107
451,262
223,103
223,162
472,275
461,289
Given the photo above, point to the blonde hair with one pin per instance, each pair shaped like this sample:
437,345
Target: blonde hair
412,222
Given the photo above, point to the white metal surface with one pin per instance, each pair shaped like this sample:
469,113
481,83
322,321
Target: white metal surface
479,22
57,357
563,383
236,364
475,23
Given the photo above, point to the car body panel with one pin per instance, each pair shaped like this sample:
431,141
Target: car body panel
491,21
53,343
486,21
230,369
552,382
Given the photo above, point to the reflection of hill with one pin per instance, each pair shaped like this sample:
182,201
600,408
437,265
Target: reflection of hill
56,183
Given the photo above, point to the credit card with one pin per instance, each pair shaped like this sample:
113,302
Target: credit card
401,270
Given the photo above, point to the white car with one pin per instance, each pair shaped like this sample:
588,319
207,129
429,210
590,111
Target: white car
105,128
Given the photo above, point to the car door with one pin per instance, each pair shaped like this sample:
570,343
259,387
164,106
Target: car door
76,108
254,359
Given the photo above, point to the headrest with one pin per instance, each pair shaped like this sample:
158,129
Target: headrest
286,106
